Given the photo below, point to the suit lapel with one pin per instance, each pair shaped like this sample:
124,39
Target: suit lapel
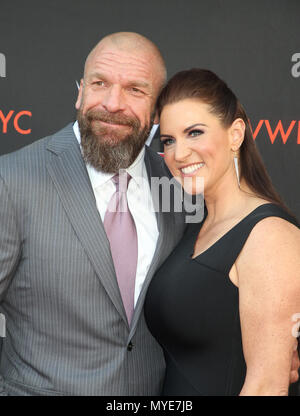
156,143
68,172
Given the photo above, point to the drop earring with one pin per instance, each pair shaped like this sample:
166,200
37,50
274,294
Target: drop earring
236,165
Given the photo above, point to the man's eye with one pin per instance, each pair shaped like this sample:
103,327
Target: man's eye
195,132
100,83
136,91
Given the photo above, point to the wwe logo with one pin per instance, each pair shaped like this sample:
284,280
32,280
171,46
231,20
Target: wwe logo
2,65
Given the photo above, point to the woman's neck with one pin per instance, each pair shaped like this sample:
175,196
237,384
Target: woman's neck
228,201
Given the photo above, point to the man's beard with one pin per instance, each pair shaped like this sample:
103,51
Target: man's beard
109,149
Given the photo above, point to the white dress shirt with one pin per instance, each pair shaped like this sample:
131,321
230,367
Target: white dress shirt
140,205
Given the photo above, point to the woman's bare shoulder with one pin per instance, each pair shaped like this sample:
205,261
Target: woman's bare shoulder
272,249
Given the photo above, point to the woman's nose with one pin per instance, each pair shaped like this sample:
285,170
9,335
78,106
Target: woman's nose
182,151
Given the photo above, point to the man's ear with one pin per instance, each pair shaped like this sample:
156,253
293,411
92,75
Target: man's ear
79,98
237,133
156,118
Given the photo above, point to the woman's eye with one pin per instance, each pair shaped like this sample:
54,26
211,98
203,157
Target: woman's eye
195,133
167,142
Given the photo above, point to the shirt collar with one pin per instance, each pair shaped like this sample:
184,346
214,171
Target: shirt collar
98,178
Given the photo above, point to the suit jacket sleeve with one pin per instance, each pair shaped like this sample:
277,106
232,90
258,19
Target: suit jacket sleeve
10,244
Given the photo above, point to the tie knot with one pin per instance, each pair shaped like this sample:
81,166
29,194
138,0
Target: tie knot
121,181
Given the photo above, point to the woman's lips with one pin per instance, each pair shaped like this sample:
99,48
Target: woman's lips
191,170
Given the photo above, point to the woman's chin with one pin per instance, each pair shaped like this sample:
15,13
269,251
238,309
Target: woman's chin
193,186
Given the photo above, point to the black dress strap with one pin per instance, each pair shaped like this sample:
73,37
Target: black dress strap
222,255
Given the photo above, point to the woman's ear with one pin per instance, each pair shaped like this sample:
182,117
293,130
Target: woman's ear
237,133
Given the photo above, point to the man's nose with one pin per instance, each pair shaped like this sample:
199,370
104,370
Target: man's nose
113,100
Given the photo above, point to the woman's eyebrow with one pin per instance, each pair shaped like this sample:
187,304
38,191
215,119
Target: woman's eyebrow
194,125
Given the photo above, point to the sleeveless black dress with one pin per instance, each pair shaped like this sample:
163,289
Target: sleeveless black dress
192,309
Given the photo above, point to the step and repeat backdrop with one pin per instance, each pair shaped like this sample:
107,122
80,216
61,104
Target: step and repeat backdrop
253,45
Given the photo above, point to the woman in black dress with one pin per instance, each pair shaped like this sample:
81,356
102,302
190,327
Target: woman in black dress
223,306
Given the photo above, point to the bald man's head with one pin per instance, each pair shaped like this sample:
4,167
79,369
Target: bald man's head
137,44
116,103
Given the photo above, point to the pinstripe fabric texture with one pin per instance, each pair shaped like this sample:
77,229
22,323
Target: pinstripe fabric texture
67,332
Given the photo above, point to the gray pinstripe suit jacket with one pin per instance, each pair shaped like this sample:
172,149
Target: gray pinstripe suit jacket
67,332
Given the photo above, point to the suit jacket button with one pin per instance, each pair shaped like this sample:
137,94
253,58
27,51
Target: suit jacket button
129,346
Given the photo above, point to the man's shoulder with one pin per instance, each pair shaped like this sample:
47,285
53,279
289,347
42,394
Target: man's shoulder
33,153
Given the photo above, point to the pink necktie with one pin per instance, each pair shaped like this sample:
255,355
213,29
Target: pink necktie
121,232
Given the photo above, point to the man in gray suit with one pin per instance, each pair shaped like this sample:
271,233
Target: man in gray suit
67,331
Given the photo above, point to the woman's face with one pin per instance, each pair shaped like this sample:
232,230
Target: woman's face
196,145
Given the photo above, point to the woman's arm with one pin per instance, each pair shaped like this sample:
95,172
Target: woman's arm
269,291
